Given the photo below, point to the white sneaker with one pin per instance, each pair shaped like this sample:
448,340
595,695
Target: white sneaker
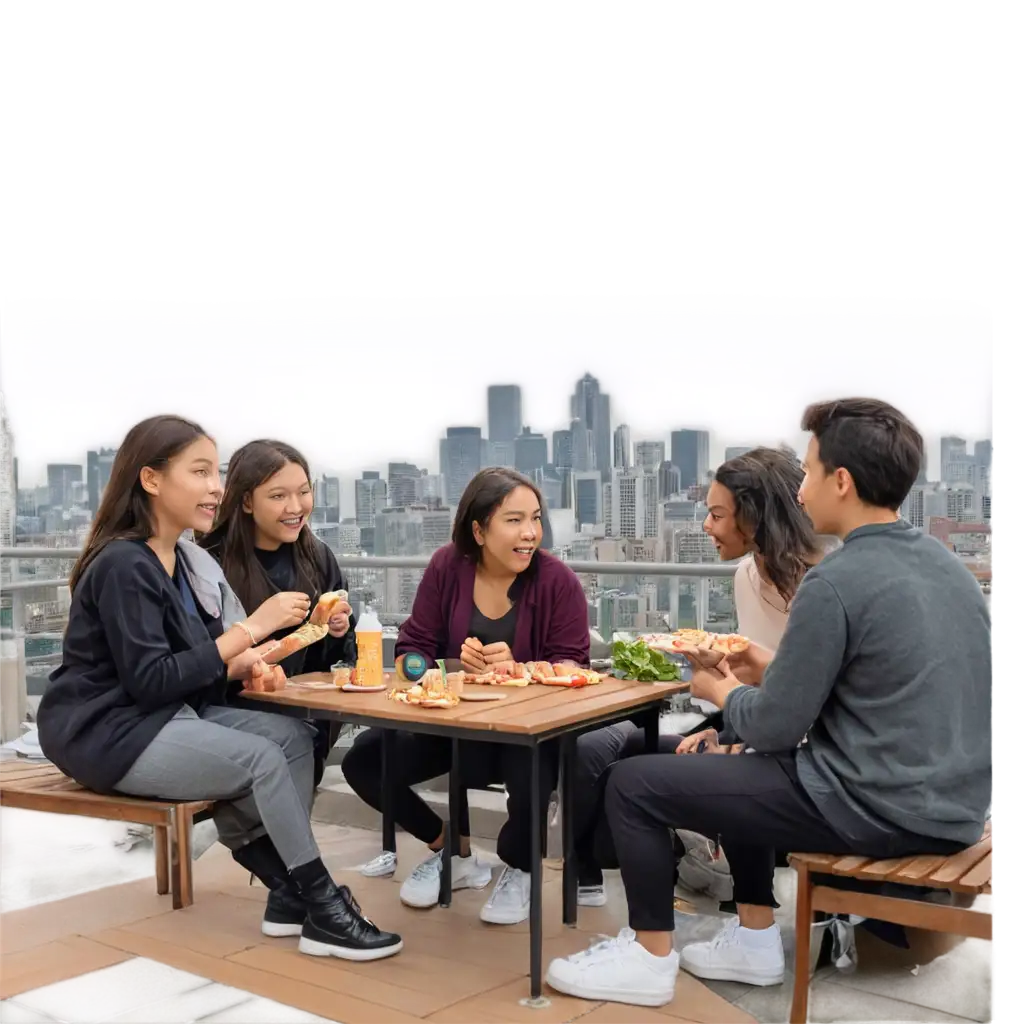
204,835
382,866
619,970
510,900
591,896
423,887
701,870
738,954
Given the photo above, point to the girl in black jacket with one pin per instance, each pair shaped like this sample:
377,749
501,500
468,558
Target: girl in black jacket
138,704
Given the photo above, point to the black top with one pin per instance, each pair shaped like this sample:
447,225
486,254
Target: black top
494,631
133,656
279,567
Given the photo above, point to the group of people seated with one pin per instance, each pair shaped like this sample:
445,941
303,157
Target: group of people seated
859,714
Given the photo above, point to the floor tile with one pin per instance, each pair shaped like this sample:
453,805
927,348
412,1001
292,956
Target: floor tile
12,1013
102,995
265,1011
196,1004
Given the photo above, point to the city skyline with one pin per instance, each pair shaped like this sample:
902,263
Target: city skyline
726,390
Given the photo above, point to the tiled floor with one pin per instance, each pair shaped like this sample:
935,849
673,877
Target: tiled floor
70,951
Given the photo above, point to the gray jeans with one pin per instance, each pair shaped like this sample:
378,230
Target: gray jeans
257,764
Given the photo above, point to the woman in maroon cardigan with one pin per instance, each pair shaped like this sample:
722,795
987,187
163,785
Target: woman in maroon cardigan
488,597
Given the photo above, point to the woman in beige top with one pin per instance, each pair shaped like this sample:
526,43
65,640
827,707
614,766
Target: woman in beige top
753,515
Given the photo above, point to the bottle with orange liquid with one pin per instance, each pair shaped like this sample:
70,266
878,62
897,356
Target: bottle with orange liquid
370,644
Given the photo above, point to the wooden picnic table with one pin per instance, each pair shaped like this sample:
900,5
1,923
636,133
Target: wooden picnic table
524,716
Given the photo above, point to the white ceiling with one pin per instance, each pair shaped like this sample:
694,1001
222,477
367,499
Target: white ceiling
457,151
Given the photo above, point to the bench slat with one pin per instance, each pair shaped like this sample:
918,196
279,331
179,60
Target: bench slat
885,868
960,863
919,867
980,875
849,865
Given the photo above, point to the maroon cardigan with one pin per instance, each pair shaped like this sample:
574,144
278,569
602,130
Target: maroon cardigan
552,624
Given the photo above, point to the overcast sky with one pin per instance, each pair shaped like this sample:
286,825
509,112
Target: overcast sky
357,382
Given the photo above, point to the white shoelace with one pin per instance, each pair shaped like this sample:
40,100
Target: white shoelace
727,936
426,871
604,947
510,879
382,861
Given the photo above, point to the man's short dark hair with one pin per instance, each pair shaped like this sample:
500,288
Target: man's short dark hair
874,442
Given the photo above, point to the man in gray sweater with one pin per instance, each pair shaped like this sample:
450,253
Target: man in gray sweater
871,725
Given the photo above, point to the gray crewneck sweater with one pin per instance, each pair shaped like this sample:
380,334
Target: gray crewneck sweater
886,667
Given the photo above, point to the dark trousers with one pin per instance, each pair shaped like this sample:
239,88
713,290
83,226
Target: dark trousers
754,802
596,752
418,758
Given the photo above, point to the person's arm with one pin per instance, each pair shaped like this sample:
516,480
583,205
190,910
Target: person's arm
334,649
425,631
131,607
776,715
568,637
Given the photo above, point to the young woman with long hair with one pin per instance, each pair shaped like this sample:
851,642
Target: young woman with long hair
263,542
491,596
138,704
753,515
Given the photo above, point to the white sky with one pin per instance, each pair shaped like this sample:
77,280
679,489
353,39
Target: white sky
383,380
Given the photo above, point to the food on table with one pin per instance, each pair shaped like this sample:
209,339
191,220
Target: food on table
429,693
700,647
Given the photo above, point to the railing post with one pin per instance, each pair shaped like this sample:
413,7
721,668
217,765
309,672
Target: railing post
13,684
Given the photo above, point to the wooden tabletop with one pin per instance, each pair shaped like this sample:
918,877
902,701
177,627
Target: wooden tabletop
525,710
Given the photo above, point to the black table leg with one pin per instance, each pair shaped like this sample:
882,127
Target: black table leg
570,875
387,801
652,720
536,873
452,837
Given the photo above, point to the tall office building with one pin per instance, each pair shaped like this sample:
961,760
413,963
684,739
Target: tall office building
649,455
371,499
561,449
582,439
61,479
403,478
589,497
504,412
955,462
500,453
622,454
593,410
690,453
328,498
983,453
634,504
670,480
97,474
461,459
531,451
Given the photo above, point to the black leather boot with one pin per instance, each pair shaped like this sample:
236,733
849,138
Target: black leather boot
335,925
286,909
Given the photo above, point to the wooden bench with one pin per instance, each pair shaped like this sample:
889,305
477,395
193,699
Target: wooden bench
35,786
968,872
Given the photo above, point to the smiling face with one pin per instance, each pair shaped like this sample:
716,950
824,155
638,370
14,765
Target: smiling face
721,525
184,494
512,534
280,507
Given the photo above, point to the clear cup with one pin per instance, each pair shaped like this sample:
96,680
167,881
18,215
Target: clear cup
342,672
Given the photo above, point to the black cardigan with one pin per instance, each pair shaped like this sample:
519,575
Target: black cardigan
133,656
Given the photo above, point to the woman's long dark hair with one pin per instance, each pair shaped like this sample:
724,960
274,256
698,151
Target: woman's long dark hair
125,512
480,500
764,484
233,537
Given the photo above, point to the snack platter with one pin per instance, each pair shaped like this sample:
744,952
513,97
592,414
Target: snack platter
700,647
444,690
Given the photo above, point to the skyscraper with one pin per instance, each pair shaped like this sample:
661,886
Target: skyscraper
670,480
593,410
589,497
561,449
328,498
954,465
97,474
983,453
402,480
504,412
650,455
371,498
531,451
690,453
61,479
622,455
461,455
583,460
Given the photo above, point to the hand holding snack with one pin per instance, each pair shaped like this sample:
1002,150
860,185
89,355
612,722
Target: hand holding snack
338,623
472,655
241,666
713,684
495,654
750,664
288,608
706,742
329,606
265,678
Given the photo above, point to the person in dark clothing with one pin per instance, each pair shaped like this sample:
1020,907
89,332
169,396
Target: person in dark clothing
264,544
491,596
897,759
139,702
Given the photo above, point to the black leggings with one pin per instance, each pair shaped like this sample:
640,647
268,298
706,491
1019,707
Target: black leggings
418,758
754,802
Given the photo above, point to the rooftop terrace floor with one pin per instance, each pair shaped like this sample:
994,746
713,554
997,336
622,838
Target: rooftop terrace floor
84,937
